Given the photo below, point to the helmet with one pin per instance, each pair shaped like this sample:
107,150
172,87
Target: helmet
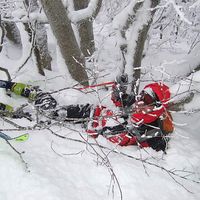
158,92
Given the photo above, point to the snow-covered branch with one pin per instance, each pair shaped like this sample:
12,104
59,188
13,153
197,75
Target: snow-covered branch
197,3
179,11
89,12
19,14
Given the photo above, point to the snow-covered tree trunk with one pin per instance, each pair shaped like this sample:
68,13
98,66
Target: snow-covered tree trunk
138,18
85,30
1,35
134,25
140,42
37,31
62,29
12,33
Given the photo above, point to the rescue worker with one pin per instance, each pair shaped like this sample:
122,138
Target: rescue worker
143,120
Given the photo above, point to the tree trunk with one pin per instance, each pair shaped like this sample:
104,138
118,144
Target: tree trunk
12,33
85,30
37,31
62,29
142,36
41,48
126,26
1,35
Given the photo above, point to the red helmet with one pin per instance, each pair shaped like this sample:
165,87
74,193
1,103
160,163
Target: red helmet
158,92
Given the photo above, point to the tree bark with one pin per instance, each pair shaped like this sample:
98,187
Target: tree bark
142,36
37,31
62,29
85,29
138,56
126,26
1,35
12,33
41,48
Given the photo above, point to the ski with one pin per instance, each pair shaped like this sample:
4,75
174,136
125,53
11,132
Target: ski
20,138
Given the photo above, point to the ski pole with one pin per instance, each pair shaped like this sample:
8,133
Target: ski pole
97,85
20,138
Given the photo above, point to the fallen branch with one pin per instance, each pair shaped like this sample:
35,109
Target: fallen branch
20,155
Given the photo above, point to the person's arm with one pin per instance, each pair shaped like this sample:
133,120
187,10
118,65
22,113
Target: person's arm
158,143
119,96
113,130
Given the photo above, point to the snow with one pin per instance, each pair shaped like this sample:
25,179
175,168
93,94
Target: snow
73,166
178,11
79,15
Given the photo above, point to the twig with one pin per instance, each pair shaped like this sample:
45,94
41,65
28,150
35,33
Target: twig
64,154
171,173
104,160
7,73
20,155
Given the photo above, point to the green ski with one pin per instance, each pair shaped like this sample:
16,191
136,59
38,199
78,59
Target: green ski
20,138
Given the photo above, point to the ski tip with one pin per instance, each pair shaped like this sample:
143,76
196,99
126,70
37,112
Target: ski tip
22,138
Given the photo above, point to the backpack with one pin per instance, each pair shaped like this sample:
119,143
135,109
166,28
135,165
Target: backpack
167,123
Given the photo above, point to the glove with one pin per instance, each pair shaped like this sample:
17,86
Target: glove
122,99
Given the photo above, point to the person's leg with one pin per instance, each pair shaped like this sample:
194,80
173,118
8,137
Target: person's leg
20,89
24,90
42,100
6,108
79,111
73,112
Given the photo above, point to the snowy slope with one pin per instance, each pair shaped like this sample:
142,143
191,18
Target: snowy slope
64,169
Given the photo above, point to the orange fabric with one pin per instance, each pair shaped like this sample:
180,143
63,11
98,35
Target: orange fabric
167,123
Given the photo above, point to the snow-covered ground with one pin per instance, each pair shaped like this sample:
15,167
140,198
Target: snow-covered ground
75,167
62,169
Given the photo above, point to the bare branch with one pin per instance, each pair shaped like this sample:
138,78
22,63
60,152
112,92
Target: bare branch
7,73
174,174
20,155
90,12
